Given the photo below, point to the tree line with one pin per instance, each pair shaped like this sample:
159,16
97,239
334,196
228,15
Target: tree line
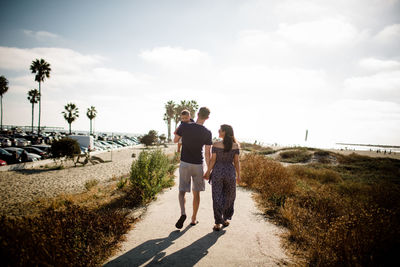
42,70
173,111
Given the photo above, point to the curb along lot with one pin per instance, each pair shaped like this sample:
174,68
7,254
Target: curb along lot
30,165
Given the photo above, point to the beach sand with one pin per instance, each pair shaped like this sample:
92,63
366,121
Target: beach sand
367,153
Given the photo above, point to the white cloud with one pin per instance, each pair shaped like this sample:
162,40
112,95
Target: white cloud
41,35
373,64
274,82
260,47
175,58
60,59
324,32
390,34
380,86
298,10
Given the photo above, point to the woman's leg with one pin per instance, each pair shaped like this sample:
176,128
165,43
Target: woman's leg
230,196
218,201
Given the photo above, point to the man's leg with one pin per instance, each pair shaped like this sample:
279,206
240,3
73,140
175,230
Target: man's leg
198,186
182,201
184,186
196,204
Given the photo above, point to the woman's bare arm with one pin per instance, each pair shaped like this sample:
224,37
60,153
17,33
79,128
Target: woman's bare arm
236,162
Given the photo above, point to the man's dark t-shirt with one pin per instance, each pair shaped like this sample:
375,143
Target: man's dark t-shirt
194,137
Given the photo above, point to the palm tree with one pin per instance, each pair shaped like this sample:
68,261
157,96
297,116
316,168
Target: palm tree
71,113
3,90
178,109
91,114
42,70
169,114
192,106
33,97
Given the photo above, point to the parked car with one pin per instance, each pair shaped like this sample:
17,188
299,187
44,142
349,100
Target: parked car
3,163
107,145
20,142
45,148
20,152
37,151
7,156
5,142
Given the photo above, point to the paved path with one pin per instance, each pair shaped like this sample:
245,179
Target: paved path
154,241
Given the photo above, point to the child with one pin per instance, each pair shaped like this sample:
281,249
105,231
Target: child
185,118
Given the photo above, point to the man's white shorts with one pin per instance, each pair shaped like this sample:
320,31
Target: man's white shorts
189,172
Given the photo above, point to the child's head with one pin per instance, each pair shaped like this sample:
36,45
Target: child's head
185,115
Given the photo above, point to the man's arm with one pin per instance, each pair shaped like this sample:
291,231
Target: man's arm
207,155
176,138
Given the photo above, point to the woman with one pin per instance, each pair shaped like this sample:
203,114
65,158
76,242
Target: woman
223,169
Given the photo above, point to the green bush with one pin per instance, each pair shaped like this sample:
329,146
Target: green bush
295,156
65,147
150,172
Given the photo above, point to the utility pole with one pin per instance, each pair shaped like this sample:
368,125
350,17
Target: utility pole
112,136
306,135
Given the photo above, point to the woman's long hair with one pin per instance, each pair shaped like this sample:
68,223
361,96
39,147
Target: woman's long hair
229,137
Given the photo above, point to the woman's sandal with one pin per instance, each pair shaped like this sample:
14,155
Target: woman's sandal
226,224
216,228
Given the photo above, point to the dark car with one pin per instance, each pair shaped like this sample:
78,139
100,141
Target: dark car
35,150
45,148
9,157
23,155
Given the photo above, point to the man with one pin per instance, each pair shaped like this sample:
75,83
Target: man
194,137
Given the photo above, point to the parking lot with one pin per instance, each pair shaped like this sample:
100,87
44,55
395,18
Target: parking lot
17,146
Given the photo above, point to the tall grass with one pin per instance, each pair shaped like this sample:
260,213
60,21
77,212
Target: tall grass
269,177
341,215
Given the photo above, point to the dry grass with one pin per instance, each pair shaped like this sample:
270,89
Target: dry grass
347,214
269,177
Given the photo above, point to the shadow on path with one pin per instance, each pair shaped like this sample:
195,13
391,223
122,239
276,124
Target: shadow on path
147,250
189,255
153,249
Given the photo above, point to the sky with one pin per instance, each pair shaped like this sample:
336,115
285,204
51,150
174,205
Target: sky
271,69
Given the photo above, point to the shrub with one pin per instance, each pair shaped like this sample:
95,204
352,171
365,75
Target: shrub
65,147
149,172
149,139
122,182
295,156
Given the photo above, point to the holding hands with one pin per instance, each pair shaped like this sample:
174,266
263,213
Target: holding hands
207,175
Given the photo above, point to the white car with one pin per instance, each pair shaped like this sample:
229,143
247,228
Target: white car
5,142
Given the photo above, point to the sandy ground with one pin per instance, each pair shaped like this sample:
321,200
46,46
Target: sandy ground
18,187
249,240
367,153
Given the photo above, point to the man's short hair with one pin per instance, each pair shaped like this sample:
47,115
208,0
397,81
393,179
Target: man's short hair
185,112
204,112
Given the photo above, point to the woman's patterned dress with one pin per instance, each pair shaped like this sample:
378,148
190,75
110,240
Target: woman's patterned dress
223,182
